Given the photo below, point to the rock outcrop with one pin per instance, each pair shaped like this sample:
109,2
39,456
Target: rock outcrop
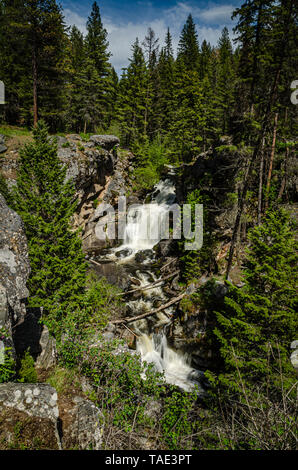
82,425
14,272
294,355
32,416
29,405
3,147
14,260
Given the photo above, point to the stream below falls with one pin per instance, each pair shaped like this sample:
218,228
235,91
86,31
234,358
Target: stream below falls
143,230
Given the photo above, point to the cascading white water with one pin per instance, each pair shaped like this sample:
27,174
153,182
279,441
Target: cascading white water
144,229
144,226
155,350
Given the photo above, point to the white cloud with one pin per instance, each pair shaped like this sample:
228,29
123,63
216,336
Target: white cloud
72,18
211,35
121,37
217,15
210,22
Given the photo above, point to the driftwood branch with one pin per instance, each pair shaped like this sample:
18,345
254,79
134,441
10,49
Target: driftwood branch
152,285
94,262
149,314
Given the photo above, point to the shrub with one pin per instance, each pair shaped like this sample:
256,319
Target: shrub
27,372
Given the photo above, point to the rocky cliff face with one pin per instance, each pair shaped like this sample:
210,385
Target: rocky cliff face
100,174
14,270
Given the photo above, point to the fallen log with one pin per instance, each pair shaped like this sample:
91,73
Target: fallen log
150,286
149,314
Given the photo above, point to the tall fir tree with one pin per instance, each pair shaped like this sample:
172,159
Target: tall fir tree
188,48
46,203
257,322
96,44
132,98
225,85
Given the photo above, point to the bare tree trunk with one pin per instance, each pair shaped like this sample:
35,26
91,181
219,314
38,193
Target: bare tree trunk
271,162
263,132
34,72
261,183
284,179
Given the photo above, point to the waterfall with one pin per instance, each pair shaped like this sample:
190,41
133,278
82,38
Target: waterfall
145,225
144,229
155,350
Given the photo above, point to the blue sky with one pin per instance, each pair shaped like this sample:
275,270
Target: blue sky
126,20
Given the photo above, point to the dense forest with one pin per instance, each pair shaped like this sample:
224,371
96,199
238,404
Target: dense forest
228,105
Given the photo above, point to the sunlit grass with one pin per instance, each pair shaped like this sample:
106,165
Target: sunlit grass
14,131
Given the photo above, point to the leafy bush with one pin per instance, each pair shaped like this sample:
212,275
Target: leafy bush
27,372
194,263
4,190
7,364
151,157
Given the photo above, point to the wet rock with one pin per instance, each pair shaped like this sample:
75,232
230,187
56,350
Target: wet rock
143,255
123,253
199,377
166,248
115,274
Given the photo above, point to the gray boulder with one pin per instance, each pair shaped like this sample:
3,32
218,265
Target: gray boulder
14,260
83,426
47,357
108,142
294,355
3,147
39,402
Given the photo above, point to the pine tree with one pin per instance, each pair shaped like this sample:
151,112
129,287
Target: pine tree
15,63
46,204
188,48
188,119
45,36
75,68
225,82
257,322
166,92
112,96
132,98
96,42
96,45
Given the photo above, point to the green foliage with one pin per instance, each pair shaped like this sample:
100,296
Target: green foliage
7,363
152,157
195,262
83,318
188,49
13,131
4,190
46,204
176,423
256,324
188,120
64,380
66,145
27,372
